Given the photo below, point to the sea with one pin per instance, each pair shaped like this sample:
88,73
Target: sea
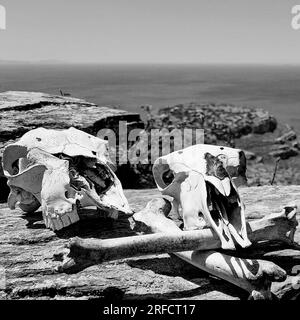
274,88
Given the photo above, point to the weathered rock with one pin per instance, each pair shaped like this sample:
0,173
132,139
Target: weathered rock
263,122
24,111
289,145
224,122
296,144
284,152
288,136
250,155
21,112
259,159
27,250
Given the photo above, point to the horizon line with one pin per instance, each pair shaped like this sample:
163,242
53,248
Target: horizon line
57,62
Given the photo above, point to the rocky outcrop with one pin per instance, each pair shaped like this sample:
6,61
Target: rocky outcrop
284,152
220,122
29,255
250,155
24,111
288,145
288,136
21,112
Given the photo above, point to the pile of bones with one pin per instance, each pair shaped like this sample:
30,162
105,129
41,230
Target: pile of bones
62,171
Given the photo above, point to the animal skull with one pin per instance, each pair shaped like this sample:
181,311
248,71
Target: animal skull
203,191
61,170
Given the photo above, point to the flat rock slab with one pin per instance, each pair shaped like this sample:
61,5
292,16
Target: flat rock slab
24,111
29,255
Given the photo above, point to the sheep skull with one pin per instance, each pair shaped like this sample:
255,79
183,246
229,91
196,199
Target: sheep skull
203,191
61,171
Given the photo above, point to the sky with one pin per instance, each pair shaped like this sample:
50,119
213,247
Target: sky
151,31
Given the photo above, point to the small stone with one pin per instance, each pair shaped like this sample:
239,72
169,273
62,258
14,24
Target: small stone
250,155
289,136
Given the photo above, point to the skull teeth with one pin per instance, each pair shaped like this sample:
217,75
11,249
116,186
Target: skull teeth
113,214
56,221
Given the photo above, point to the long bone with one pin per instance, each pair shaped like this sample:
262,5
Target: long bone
254,276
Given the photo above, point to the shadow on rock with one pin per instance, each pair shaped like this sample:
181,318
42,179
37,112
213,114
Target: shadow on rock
174,267
92,224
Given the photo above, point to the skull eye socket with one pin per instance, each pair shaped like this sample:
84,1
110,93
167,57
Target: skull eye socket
87,173
101,177
168,177
70,193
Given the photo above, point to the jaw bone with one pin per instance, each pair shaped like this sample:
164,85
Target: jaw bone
59,201
206,195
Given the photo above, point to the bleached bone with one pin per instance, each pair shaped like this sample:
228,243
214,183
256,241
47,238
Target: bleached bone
203,191
234,161
62,169
167,237
254,276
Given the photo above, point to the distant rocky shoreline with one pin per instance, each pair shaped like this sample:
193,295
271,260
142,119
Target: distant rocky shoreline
253,130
